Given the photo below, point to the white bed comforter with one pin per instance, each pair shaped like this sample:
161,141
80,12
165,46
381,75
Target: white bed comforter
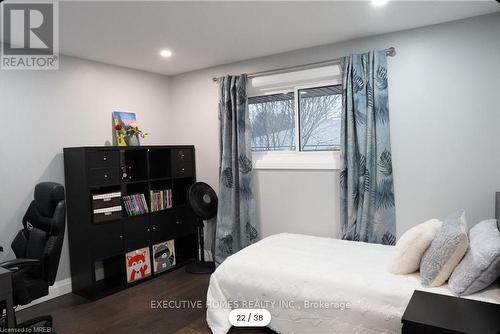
306,269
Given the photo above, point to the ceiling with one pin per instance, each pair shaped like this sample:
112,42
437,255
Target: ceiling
205,34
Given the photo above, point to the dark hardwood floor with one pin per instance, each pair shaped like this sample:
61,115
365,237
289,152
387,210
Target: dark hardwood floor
130,311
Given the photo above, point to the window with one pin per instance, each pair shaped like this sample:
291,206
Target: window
319,118
295,119
273,122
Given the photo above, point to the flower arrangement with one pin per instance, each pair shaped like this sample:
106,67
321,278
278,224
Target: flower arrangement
129,135
130,131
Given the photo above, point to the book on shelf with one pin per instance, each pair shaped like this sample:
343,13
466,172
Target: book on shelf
135,204
160,199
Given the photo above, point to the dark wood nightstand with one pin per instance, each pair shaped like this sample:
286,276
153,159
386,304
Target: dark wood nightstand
430,313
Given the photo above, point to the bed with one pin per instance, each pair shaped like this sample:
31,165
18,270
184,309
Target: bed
336,286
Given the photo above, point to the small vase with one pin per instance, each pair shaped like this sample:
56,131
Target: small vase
120,139
133,141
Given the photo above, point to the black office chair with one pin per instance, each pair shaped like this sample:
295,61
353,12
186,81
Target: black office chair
38,248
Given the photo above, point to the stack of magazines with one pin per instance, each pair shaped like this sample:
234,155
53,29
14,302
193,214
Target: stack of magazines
135,204
161,199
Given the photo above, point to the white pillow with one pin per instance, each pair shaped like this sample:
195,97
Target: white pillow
411,247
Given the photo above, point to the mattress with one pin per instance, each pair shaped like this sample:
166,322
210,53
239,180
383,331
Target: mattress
316,285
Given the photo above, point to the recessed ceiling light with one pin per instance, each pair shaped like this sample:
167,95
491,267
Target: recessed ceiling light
379,3
165,53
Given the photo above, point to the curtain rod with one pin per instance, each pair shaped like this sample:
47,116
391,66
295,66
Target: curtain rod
391,52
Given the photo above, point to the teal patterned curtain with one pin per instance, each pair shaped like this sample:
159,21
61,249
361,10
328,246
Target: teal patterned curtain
367,210
236,227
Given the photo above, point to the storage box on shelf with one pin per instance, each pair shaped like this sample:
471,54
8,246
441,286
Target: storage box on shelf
106,206
100,185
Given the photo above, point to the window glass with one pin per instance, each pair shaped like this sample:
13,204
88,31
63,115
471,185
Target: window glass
319,118
273,122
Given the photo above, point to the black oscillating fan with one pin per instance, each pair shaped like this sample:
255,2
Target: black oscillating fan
203,201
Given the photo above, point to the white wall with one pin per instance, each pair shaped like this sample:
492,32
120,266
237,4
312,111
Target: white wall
444,84
298,201
44,111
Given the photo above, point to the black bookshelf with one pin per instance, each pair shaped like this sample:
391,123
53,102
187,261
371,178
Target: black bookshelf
98,242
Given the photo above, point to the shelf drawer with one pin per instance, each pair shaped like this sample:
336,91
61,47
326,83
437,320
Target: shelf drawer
173,223
103,158
106,216
106,202
185,222
182,163
162,225
103,176
137,232
106,239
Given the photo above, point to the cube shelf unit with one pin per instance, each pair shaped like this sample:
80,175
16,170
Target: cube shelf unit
98,242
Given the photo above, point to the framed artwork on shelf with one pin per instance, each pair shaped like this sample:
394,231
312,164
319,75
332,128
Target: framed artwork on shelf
126,130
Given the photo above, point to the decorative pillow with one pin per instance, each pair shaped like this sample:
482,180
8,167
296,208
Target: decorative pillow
411,247
445,251
481,265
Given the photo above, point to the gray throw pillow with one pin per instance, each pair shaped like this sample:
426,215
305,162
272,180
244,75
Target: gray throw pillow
481,265
445,251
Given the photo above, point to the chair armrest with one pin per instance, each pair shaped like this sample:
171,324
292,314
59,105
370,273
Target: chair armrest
20,263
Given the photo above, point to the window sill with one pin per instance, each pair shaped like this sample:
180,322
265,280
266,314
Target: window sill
297,161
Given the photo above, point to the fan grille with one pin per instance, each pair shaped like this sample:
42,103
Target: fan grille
203,200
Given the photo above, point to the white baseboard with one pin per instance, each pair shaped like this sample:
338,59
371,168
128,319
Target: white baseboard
59,288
